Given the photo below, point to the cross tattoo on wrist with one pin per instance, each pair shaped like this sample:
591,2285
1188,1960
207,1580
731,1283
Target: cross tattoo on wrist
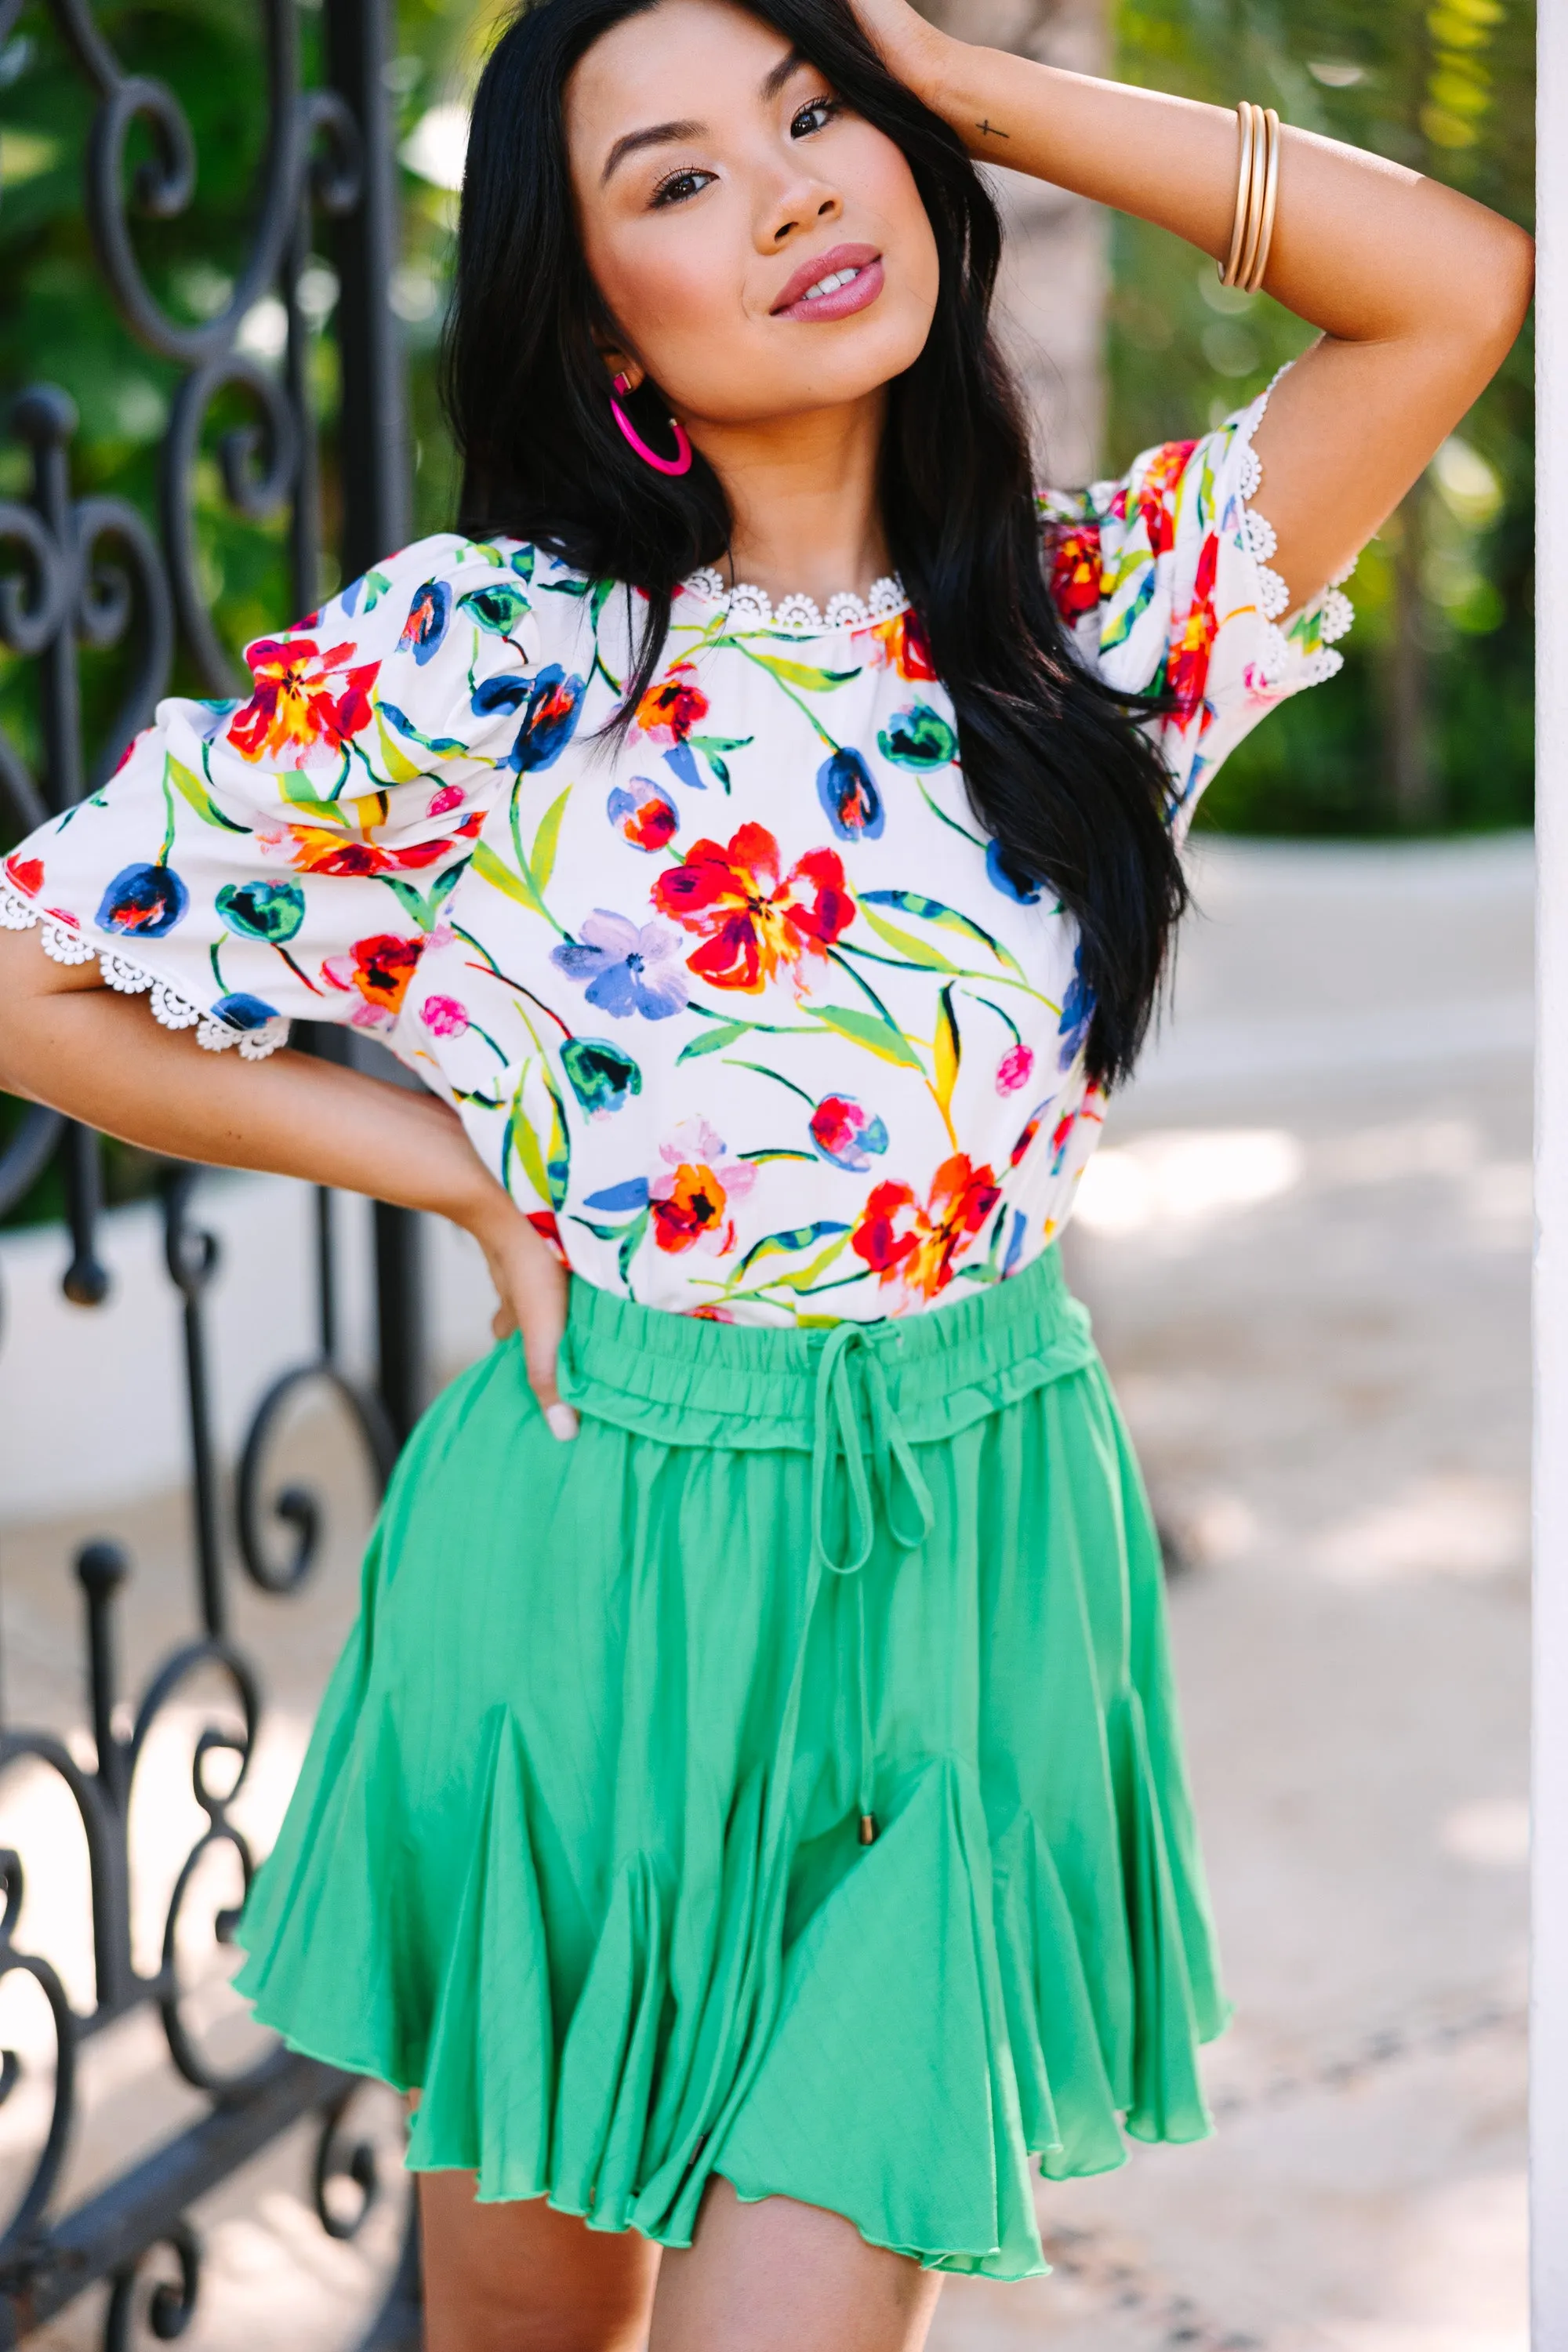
989,130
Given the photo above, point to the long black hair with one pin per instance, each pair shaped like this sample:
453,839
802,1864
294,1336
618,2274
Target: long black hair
1076,797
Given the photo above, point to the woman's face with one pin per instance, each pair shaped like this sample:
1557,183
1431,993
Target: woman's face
762,251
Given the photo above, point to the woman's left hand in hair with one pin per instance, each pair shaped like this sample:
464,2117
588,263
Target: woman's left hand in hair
1418,290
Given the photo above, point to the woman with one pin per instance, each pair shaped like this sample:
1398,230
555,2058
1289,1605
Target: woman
749,1812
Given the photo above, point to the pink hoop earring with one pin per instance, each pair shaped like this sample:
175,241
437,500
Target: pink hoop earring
682,461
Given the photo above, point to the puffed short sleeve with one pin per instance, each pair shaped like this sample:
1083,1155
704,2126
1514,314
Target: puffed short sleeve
288,854
1163,582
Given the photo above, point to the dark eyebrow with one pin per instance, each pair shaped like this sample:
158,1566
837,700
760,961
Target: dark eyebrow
664,134
782,72
659,135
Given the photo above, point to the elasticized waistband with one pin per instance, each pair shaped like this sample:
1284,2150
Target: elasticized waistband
689,1381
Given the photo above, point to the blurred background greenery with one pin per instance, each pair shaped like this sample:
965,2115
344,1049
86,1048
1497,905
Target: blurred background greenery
1430,729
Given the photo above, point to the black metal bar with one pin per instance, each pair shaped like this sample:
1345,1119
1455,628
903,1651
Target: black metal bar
400,1316
101,1569
374,440
112,2230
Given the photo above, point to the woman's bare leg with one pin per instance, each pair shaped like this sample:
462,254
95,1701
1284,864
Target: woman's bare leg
777,2276
519,2277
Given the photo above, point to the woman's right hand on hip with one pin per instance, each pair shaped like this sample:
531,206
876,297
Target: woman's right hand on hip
532,1288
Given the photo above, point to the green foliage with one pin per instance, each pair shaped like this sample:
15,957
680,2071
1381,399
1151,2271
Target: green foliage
1446,587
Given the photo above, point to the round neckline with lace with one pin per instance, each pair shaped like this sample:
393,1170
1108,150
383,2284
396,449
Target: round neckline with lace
798,614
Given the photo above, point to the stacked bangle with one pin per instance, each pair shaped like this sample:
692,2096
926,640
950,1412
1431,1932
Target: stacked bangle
1257,197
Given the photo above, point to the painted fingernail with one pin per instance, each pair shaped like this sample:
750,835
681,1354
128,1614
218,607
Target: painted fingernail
562,1420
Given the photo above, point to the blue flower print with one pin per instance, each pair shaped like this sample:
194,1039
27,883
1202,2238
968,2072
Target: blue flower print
507,690
627,969
427,623
1002,877
1078,1012
272,911
604,1079
550,721
853,805
846,1133
144,901
242,1011
917,737
645,814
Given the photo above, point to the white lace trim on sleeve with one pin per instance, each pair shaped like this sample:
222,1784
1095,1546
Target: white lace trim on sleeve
170,1008
1331,607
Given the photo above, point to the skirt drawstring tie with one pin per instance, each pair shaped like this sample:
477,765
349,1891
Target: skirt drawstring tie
845,1412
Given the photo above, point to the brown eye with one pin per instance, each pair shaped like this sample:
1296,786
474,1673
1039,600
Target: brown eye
816,116
679,186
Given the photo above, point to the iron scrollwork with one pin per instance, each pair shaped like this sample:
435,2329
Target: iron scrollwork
92,572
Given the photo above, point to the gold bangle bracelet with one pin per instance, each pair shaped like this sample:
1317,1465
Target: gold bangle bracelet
1254,280
1254,199
1228,269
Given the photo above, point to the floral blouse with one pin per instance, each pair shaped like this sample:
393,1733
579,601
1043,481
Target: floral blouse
745,1009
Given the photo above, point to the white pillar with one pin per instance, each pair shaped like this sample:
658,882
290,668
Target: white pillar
1549,1999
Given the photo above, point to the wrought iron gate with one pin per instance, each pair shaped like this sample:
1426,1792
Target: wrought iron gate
91,570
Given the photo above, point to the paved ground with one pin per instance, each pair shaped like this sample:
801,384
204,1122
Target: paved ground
1305,1247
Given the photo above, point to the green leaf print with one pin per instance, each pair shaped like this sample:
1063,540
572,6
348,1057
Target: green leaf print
499,875
794,673
411,900
377,585
525,1142
191,788
864,1029
714,1041
929,959
807,1275
631,1244
545,841
299,793
425,906
796,1238
546,1166
558,1160
949,1054
931,910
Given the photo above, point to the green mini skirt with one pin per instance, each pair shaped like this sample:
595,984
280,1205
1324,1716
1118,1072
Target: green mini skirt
781,1781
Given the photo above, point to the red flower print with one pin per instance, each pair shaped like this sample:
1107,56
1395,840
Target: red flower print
548,1231
903,1243
1156,494
1187,673
754,926
692,1210
380,968
689,1198
299,698
672,705
1074,550
26,873
905,645
1031,1129
314,850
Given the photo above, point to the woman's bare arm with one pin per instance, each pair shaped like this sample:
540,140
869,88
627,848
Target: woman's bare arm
67,1040
1419,291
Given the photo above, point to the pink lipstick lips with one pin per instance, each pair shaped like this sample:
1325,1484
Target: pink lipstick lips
833,285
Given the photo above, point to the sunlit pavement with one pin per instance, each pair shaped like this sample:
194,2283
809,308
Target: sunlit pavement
1306,1251
1306,1248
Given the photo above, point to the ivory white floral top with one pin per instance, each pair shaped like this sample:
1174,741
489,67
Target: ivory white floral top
745,1009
